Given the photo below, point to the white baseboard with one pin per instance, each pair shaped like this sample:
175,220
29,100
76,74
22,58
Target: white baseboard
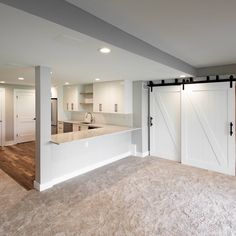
134,152
9,143
42,187
141,154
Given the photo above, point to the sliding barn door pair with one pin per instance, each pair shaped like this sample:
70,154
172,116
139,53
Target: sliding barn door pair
194,126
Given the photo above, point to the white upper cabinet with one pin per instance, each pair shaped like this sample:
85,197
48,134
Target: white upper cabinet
78,97
113,97
71,98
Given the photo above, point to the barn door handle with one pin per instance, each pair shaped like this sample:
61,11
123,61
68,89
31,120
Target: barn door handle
231,128
150,121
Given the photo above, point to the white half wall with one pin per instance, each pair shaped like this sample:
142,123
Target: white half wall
75,158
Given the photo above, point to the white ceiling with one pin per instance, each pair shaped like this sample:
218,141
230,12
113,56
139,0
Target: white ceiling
200,32
27,40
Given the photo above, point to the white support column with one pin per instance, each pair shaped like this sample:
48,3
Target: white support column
140,118
43,127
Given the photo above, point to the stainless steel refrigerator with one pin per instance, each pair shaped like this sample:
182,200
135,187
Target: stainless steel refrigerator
54,118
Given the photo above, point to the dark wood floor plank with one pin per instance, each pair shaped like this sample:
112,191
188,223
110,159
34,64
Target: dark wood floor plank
18,161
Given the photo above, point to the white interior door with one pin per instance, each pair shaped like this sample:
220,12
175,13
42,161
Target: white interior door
24,115
207,111
165,132
2,116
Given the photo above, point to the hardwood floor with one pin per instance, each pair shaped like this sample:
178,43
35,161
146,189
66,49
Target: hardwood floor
18,161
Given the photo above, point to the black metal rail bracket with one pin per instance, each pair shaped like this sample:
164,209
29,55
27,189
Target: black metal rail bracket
191,80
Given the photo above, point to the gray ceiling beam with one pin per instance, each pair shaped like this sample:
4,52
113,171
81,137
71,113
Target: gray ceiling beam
70,16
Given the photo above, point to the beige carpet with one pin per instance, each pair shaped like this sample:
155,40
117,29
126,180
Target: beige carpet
131,197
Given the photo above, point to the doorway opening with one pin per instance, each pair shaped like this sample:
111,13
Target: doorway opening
17,155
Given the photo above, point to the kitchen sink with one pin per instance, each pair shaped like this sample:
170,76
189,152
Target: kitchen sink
94,127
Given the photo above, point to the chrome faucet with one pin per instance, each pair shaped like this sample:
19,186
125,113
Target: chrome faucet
92,120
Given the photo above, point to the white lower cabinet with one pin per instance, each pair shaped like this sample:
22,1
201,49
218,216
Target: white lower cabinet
60,127
113,97
83,127
76,127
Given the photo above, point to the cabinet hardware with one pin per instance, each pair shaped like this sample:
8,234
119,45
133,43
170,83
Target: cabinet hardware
116,107
100,107
72,106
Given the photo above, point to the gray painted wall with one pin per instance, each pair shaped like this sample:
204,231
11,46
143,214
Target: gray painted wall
217,70
9,109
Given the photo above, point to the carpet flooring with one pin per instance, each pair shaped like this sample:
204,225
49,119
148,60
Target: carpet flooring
18,161
134,196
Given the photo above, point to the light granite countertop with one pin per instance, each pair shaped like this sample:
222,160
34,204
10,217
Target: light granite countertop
90,133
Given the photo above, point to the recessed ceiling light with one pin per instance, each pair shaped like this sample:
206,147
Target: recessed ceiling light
182,76
105,50
51,72
2,82
97,79
20,78
67,83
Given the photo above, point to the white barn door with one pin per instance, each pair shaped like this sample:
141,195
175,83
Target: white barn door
24,115
165,132
207,112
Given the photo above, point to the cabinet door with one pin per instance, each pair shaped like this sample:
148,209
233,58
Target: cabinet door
74,98
66,93
109,97
71,98
116,97
76,127
60,127
83,127
100,97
